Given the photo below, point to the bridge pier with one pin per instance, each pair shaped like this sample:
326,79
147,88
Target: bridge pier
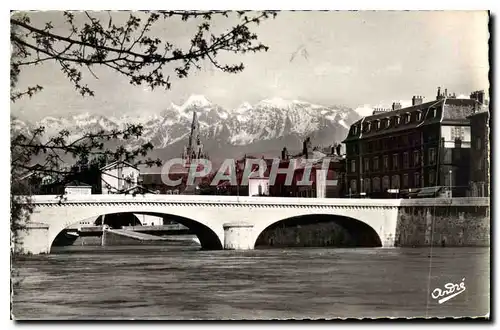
388,240
238,236
35,238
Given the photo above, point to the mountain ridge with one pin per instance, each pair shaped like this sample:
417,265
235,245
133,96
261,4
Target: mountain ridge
268,124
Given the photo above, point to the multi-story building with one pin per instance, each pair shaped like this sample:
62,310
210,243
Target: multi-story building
480,150
320,183
405,149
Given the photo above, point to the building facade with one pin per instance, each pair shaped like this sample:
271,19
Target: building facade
480,153
400,151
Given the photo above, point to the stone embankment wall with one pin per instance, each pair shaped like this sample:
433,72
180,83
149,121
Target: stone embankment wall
445,222
306,235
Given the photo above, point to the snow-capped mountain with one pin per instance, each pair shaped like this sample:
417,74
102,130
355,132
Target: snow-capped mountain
271,123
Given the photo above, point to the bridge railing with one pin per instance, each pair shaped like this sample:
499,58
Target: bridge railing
242,200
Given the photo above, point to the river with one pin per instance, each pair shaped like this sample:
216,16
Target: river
163,282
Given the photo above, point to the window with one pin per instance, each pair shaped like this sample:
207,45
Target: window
385,183
353,166
432,156
478,143
416,158
405,181
395,182
368,185
416,139
430,113
367,165
447,155
376,184
405,160
395,162
370,146
387,123
398,120
480,164
407,118
406,140
375,163
419,115
377,124
386,162
353,187
432,178
416,179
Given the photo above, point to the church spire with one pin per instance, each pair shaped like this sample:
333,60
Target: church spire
194,131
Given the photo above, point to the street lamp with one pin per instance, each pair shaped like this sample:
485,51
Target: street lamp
451,186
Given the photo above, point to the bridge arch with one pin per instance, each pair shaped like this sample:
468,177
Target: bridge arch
209,236
316,230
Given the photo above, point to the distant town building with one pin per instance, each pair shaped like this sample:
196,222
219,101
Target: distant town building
118,177
480,149
309,156
77,188
149,220
406,149
258,185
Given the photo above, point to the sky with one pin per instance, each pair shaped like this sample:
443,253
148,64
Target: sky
360,59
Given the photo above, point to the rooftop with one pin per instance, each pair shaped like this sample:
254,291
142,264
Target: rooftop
446,110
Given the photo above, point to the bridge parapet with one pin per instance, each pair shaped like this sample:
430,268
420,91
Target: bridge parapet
204,199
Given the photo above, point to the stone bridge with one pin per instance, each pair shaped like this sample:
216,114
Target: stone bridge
220,222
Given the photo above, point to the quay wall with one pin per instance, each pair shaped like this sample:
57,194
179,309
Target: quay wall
443,222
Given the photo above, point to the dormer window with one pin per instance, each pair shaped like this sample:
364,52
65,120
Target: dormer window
398,120
432,113
387,122
407,118
368,126
419,115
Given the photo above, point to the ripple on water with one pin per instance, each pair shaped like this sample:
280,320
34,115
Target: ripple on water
147,282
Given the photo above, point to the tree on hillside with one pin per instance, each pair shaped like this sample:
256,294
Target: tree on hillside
125,46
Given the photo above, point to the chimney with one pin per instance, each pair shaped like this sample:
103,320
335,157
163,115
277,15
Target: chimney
416,100
446,92
284,154
438,94
396,106
480,96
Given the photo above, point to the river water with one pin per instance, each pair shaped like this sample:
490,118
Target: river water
162,282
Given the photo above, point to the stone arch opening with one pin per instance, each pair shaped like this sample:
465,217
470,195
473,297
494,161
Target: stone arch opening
318,230
207,237
118,220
